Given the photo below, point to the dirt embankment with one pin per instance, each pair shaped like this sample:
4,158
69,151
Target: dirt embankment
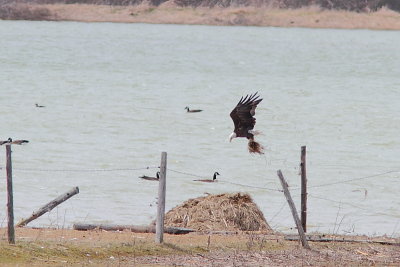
170,13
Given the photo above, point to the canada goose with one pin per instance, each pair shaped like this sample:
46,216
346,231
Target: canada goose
193,110
9,140
39,106
209,180
151,178
15,142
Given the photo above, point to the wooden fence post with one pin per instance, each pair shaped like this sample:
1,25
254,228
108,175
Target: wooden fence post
303,188
10,199
49,206
294,211
161,199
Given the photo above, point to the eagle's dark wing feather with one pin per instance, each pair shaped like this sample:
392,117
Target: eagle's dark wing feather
242,114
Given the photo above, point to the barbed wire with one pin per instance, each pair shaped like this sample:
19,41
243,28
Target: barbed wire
352,205
84,170
185,173
221,181
351,180
278,212
252,186
312,196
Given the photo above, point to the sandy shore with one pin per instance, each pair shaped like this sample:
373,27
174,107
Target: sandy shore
169,13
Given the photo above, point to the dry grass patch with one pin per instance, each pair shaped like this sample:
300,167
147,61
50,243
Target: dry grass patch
63,247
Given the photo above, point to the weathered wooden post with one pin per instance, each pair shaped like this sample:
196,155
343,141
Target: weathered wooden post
294,211
49,206
10,198
303,188
161,199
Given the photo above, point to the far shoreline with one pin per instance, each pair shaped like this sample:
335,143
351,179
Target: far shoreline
168,13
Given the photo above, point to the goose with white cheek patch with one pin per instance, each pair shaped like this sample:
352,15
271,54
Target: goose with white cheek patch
157,178
214,179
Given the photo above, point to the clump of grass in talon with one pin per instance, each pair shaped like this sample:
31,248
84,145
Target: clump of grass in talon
255,147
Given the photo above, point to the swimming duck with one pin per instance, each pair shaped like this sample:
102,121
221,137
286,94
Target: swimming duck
39,106
193,110
151,178
214,179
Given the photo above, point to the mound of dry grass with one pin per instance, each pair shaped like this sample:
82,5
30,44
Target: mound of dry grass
223,212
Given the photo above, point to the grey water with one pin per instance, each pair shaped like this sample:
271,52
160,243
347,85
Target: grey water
114,97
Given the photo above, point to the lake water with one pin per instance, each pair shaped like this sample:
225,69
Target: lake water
115,96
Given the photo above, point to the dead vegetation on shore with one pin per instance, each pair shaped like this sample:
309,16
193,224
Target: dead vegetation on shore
170,13
24,12
223,212
349,5
251,243
62,247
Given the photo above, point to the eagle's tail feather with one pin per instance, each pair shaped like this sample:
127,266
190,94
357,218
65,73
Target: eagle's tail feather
255,147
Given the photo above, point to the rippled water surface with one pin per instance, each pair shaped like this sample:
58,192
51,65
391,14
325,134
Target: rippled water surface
115,97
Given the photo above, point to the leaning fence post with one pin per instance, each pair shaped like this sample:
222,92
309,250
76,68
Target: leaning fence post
303,188
10,199
294,211
161,199
49,206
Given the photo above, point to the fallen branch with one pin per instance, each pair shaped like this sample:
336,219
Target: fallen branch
132,228
318,238
49,206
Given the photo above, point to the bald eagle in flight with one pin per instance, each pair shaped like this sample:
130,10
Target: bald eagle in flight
244,121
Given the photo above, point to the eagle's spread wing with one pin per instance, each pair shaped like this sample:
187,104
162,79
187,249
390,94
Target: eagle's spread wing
242,114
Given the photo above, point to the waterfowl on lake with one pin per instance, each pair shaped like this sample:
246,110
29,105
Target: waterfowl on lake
39,106
9,140
244,121
15,142
151,178
209,180
192,110
18,142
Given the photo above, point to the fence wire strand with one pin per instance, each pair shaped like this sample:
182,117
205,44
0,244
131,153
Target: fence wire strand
226,182
352,205
84,170
350,180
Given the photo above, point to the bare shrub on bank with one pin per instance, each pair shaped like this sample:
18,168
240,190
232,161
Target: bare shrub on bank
23,12
350,5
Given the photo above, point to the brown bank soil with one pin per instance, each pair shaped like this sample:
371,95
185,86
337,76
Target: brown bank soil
64,247
169,13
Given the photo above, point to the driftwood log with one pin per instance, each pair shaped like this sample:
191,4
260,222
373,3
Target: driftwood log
132,228
49,206
319,238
